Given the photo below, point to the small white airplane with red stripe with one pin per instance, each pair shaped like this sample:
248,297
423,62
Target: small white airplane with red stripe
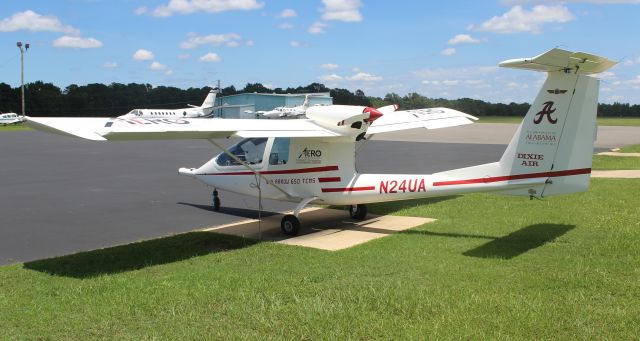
312,160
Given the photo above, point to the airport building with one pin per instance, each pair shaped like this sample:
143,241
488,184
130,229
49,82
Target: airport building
241,103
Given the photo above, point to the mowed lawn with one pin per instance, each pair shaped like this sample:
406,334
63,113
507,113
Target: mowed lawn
491,267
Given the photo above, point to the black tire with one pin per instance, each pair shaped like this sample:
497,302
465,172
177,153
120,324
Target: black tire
290,225
358,212
216,204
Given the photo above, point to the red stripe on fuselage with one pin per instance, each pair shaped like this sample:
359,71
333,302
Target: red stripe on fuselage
514,177
333,179
284,171
348,189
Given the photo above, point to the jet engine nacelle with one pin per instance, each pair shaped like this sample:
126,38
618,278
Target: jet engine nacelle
343,117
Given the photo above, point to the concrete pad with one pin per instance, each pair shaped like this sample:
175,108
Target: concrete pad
621,174
619,154
322,228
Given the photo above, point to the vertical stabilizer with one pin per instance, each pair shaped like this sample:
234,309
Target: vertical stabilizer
556,137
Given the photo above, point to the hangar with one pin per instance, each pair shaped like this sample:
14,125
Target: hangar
240,103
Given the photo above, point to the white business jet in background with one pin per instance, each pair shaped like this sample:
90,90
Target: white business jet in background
283,112
10,118
203,111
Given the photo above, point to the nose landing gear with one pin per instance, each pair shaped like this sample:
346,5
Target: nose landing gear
216,201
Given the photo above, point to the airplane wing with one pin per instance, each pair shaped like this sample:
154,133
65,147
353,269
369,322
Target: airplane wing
101,129
431,118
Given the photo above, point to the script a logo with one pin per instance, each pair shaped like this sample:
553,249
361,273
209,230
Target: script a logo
547,110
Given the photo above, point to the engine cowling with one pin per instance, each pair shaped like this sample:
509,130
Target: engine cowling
349,119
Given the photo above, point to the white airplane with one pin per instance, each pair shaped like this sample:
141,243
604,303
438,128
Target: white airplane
205,110
312,160
282,112
10,118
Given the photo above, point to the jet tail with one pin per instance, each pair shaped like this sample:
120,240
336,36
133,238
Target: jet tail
209,101
551,152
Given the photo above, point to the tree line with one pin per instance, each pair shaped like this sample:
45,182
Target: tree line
101,100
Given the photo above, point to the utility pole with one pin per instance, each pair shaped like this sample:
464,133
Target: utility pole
22,51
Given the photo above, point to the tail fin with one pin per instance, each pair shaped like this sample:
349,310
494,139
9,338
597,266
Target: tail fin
305,104
557,134
551,152
209,101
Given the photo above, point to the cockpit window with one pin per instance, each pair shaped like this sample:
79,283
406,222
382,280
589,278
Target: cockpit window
248,150
279,151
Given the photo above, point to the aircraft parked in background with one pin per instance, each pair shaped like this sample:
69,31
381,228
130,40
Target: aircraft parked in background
312,160
282,112
203,111
10,118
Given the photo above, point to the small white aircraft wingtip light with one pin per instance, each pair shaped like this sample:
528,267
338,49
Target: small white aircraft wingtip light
312,160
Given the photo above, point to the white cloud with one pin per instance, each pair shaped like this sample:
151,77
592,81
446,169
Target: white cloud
329,66
140,10
184,56
597,2
463,39
249,43
210,58
194,40
32,21
285,26
363,76
288,13
143,54
295,43
330,78
342,10
208,6
518,19
157,66
317,27
77,42
448,51
110,65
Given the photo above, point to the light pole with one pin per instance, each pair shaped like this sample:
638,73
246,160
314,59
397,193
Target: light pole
22,51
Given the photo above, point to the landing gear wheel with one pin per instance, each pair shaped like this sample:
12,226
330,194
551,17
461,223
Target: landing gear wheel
358,212
216,201
290,225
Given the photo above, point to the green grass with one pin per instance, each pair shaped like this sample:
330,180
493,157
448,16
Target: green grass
605,162
604,121
14,127
631,149
491,267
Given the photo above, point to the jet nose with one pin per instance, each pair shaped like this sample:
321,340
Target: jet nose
187,172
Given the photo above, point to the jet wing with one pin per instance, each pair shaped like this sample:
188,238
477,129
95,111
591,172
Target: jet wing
431,118
101,129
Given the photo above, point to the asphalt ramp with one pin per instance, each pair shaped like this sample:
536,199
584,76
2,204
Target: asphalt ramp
322,228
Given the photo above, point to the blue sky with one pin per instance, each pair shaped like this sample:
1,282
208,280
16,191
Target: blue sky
439,49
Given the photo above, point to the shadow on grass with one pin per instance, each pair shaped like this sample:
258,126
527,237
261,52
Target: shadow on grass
509,246
395,206
520,241
139,255
238,212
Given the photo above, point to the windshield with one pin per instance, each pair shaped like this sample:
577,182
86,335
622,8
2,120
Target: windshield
248,150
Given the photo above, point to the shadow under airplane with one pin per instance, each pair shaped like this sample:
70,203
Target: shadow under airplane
234,211
139,255
511,245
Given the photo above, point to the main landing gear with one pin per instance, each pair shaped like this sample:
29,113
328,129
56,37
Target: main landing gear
216,201
358,212
290,224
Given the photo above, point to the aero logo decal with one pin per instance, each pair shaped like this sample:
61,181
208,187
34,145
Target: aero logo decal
547,110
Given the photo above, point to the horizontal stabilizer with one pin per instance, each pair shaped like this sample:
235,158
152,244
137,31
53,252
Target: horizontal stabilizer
558,59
